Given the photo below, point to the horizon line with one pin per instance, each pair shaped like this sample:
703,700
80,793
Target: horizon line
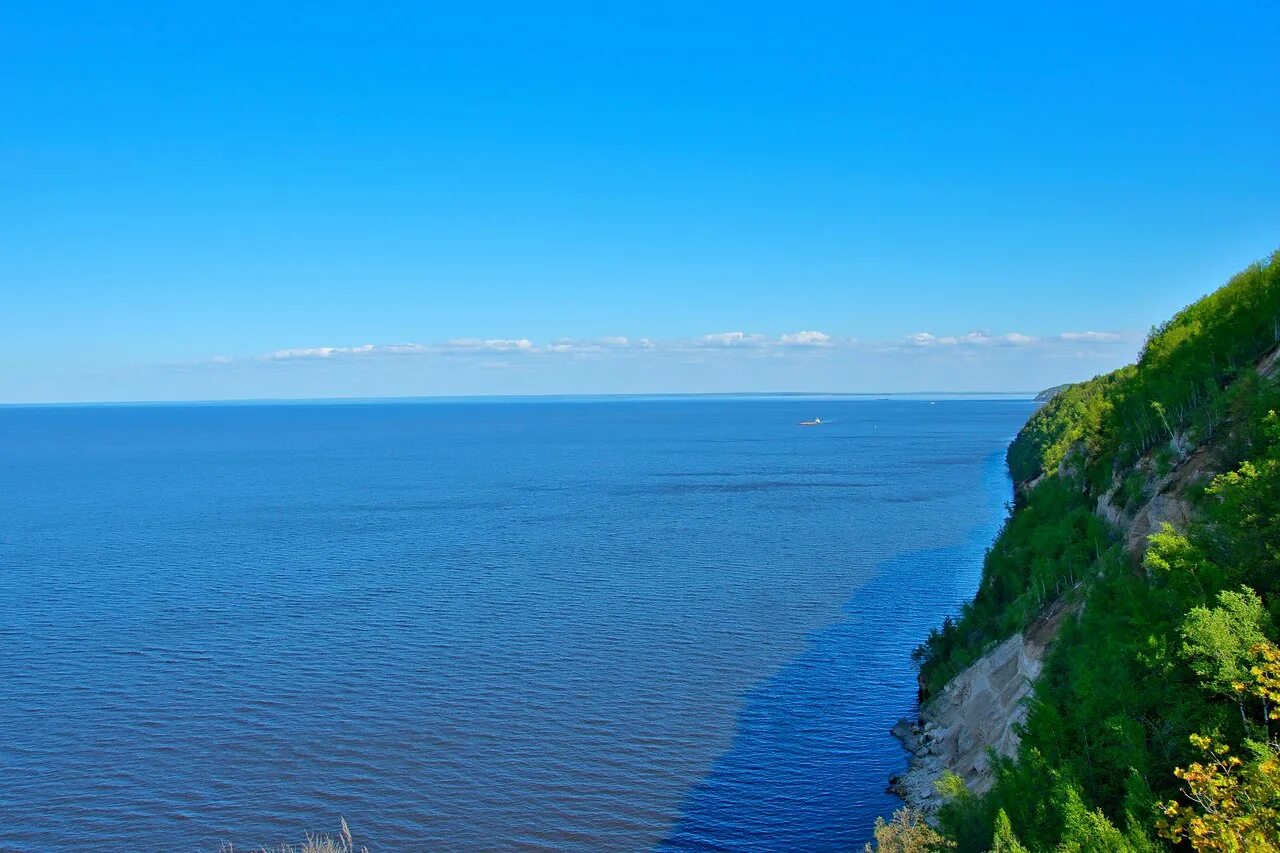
251,401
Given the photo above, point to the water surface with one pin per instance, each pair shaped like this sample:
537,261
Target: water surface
571,625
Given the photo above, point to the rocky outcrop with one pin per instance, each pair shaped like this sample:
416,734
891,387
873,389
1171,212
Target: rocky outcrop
978,710
1267,364
1164,498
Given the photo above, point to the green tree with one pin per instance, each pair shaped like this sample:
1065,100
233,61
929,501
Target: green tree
1086,830
1004,841
1220,643
1106,732
1246,511
1173,559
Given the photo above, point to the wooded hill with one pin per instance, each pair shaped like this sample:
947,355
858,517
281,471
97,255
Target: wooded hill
1155,720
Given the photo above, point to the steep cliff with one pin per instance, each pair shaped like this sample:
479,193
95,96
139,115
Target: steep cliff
1128,609
977,711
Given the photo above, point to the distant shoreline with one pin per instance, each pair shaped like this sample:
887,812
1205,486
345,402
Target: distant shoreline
535,398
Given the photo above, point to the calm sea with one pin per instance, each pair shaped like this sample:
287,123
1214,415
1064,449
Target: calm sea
581,625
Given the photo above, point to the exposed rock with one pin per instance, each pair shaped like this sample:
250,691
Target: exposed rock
907,733
1163,507
1267,364
981,707
1164,497
978,709
1110,513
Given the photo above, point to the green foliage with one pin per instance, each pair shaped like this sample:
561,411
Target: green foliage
1176,391
1219,642
1157,652
1244,505
1132,491
1044,550
1171,558
1003,840
1086,830
965,818
1153,656
1068,420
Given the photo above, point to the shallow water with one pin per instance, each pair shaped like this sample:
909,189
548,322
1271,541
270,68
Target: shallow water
562,624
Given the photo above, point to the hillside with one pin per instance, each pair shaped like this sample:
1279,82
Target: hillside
1148,512
1049,393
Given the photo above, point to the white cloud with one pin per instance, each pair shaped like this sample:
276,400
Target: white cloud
332,352
925,339
607,343
496,344
732,339
306,352
805,339
1091,336
1082,344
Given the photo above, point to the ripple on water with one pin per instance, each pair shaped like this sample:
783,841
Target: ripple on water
474,626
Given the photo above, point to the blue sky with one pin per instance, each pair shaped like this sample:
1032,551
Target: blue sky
206,201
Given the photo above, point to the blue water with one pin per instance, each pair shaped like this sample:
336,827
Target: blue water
566,625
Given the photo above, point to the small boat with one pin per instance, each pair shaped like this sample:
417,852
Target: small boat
814,422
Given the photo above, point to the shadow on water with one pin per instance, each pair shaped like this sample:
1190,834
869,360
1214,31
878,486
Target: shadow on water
812,753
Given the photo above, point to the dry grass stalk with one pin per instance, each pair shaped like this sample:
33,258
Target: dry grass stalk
321,843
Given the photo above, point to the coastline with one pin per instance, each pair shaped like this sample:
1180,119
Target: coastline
838,710
978,710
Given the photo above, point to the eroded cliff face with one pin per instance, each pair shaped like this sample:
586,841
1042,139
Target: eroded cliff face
977,710
980,709
1164,495
1165,501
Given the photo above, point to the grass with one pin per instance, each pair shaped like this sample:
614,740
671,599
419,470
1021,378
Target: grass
315,844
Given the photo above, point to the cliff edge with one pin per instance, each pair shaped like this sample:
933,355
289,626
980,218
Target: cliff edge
978,710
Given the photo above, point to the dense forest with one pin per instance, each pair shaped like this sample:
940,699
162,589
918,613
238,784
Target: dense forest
1156,721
